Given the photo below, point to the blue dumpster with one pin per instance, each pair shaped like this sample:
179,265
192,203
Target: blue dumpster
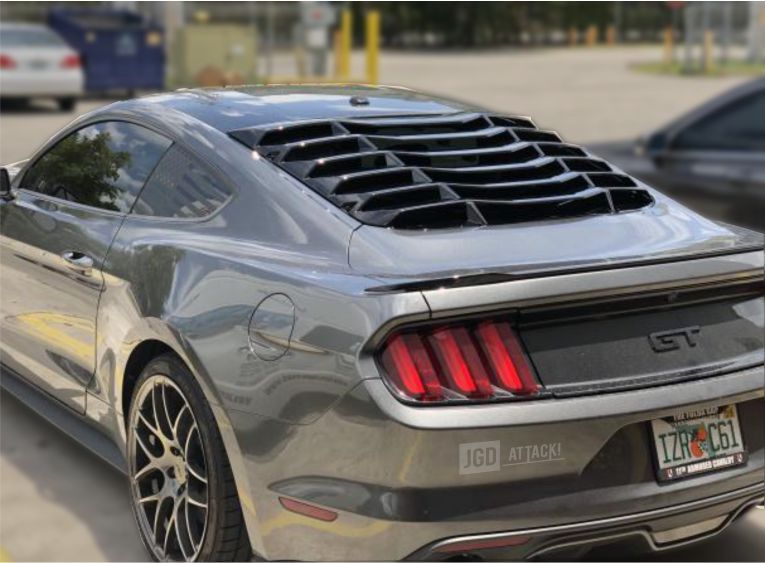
121,50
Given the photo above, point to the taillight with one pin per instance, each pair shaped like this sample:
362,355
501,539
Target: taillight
6,62
482,361
70,61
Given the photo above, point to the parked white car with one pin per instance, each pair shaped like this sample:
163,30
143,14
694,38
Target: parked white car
37,63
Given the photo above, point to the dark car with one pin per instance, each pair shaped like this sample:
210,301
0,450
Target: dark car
364,323
712,158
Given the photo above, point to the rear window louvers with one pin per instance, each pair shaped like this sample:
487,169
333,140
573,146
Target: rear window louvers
445,171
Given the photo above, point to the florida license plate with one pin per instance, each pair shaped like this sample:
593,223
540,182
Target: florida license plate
697,442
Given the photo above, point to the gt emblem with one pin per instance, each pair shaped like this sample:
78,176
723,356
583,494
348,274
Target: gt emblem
668,340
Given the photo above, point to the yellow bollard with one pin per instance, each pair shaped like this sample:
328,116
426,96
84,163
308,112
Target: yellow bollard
611,35
345,46
373,47
591,37
337,44
709,46
669,46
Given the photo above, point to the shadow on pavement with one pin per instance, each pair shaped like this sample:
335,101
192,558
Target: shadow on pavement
60,502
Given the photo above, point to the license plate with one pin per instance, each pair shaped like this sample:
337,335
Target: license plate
697,442
37,64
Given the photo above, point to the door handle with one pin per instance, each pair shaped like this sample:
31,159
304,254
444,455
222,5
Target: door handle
78,261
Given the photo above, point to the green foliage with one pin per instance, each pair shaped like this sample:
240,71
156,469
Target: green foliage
483,24
81,169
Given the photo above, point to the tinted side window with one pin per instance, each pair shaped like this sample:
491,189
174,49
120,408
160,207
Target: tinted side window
739,126
103,165
181,187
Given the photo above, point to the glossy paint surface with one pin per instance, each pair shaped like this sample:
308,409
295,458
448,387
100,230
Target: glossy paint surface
49,304
303,412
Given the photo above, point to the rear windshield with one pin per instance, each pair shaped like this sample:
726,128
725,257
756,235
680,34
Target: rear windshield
29,38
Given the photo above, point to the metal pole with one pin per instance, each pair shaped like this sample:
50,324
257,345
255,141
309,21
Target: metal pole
688,31
270,24
617,22
756,26
707,38
345,45
727,30
173,19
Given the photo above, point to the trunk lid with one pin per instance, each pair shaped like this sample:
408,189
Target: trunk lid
663,231
646,340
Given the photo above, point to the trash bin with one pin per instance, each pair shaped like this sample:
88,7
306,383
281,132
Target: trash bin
121,50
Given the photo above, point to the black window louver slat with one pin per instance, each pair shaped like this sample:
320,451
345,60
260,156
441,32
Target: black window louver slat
414,126
612,181
552,149
497,213
446,171
574,185
407,197
629,200
444,216
326,148
489,138
300,132
535,135
496,176
504,121
586,165
381,180
350,164
459,159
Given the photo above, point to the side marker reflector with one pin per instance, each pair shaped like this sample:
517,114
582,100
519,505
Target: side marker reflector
308,510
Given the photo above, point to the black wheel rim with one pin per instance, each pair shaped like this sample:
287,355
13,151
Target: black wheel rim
168,471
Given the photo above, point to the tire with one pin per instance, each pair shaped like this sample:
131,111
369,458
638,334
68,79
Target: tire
177,464
66,104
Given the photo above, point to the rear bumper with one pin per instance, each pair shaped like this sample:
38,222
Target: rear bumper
657,530
393,473
29,84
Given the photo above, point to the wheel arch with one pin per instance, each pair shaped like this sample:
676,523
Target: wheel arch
142,353
139,358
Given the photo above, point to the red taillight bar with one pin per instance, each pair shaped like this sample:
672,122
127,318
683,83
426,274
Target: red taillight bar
7,62
70,61
501,346
458,362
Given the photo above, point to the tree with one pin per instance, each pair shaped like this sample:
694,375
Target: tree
82,169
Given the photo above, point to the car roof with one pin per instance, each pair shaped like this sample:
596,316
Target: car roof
232,108
712,105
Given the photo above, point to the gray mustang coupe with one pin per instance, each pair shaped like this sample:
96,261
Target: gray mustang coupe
364,323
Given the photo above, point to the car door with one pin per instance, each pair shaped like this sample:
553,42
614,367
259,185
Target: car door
722,150
54,236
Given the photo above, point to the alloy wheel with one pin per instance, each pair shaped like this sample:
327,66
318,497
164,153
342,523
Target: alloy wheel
168,471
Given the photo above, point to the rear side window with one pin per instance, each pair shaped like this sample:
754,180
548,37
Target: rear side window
181,187
29,37
739,126
103,165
